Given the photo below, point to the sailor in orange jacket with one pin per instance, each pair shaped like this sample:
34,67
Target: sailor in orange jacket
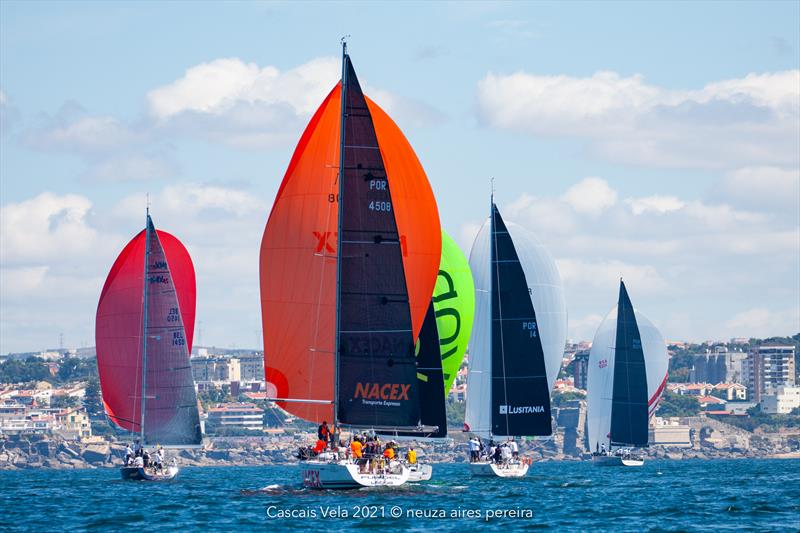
357,448
388,453
320,447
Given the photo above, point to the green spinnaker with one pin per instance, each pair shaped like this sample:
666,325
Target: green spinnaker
454,307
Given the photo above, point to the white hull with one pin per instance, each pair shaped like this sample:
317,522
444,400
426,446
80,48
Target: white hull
345,475
616,460
498,470
418,472
143,474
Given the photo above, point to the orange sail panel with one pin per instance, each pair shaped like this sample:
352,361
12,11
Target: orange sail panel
118,326
298,258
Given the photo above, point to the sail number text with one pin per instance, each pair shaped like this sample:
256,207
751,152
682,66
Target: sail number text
380,206
177,339
530,327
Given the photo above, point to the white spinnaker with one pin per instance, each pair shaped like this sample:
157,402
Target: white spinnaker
600,380
478,417
542,277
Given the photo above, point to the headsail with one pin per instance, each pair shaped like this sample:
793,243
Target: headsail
518,337
119,337
299,263
629,400
615,411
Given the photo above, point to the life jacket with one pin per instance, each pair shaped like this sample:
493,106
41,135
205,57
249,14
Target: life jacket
411,456
356,448
388,453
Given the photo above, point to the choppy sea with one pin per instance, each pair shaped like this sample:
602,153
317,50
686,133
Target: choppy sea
693,495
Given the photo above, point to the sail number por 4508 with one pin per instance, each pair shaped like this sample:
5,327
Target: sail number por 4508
380,206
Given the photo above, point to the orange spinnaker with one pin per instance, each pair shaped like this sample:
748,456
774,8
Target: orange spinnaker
298,255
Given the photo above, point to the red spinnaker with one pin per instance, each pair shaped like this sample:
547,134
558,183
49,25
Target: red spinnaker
118,326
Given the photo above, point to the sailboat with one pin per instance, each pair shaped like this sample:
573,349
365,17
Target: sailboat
517,342
143,331
347,271
441,346
627,375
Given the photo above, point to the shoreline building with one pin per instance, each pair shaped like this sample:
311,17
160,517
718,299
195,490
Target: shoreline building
782,401
215,370
241,415
720,366
580,369
767,368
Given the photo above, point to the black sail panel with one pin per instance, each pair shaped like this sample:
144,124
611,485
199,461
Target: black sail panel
432,396
377,366
629,417
520,394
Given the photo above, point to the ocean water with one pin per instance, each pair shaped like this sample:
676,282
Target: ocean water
758,495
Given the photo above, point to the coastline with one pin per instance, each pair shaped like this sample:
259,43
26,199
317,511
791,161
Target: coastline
39,451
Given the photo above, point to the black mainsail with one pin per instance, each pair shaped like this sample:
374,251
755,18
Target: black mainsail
520,393
629,415
377,382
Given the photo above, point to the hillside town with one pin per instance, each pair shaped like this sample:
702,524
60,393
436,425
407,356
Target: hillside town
739,398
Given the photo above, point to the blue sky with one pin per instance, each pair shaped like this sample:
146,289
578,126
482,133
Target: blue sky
657,141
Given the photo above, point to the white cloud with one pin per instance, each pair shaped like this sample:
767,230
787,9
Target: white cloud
21,280
655,204
132,167
685,261
550,215
215,87
760,187
407,111
45,228
726,124
249,106
761,322
585,327
89,134
591,196
602,274
72,129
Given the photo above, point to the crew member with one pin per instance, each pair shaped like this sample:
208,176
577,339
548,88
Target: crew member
514,449
320,446
411,456
388,453
357,448
323,433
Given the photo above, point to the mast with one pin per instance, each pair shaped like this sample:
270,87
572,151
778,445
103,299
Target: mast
492,265
144,322
339,244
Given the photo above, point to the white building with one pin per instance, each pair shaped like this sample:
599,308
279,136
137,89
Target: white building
669,432
782,401
243,415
